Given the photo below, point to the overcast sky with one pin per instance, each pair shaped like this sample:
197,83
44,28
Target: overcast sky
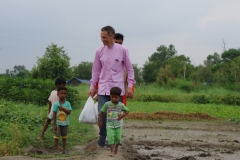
195,27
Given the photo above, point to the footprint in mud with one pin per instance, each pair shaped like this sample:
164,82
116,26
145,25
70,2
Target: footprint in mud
187,158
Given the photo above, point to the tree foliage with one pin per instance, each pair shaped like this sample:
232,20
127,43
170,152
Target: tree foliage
54,63
230,54
156,60
83,70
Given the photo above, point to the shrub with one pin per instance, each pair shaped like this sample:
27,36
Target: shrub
200,99
30,90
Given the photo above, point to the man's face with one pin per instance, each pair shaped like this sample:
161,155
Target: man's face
106,39
119,41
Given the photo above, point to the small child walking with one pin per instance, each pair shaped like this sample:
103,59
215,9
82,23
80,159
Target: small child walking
59,82
61,112
113,109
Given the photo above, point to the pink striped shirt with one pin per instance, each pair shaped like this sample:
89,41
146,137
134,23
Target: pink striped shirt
108,67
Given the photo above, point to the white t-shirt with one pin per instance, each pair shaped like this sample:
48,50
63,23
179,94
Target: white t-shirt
53,98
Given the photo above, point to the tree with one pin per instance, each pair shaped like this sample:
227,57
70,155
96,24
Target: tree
213,60
137,74
180,66
155,61
54,63
83,70
230,54
164,75
19,68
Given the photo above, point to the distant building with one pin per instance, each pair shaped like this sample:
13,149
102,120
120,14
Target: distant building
77,81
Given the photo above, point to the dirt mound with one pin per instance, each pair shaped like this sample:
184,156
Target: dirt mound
161,115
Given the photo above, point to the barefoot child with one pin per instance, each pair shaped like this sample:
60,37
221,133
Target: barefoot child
61,112
113,110
59,82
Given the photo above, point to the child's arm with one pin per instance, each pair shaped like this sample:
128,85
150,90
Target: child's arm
123,115
100,120
68,112
54,121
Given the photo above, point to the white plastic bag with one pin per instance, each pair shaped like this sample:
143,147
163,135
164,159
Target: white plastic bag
89,113
96,110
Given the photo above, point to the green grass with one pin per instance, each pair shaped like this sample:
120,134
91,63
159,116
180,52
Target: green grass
21,125
218,111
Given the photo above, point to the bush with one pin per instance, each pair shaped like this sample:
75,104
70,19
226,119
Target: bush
30,90
200,99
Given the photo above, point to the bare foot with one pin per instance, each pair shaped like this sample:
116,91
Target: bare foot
115,152
111,154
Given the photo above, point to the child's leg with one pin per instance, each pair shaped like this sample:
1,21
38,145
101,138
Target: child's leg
56,138
64,142
47,122
112,150
110,136
116,149
64,133
118,134
56,144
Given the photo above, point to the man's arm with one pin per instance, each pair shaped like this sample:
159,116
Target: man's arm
130,77
96,69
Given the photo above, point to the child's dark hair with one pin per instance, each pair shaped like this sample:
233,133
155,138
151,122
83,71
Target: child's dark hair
61,88
115,91
60,81
119,36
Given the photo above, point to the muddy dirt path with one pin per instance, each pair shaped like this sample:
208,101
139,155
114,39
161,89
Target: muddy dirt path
167,140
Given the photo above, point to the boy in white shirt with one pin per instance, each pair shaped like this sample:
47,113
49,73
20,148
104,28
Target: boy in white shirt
53,98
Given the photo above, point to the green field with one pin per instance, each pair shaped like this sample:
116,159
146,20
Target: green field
21,124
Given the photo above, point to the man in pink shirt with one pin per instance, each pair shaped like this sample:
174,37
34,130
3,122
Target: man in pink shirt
108,71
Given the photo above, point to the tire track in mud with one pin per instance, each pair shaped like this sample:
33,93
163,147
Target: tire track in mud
181,140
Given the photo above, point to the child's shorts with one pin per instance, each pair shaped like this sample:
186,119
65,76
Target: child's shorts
61,131
50,115
114,135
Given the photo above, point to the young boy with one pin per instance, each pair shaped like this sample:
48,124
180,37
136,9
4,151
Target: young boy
113,109
59,82
61,112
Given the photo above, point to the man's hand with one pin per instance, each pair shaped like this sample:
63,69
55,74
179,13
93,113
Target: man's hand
92,92
100,124
129,93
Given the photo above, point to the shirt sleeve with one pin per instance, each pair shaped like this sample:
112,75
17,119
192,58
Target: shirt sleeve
69,106
55,107
96,69
124,108
129,69
104,108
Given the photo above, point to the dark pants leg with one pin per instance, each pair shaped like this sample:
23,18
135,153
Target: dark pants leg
102,99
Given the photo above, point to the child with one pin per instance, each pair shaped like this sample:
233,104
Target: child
61,112
59,82
113,109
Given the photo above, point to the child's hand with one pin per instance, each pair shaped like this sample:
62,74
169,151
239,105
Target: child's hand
60,108
119,117
100,124
55,128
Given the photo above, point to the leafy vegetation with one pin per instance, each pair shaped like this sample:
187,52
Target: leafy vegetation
21,124
30,90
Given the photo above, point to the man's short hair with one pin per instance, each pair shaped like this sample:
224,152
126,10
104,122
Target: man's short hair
110,30
119,36
115,91
60,81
